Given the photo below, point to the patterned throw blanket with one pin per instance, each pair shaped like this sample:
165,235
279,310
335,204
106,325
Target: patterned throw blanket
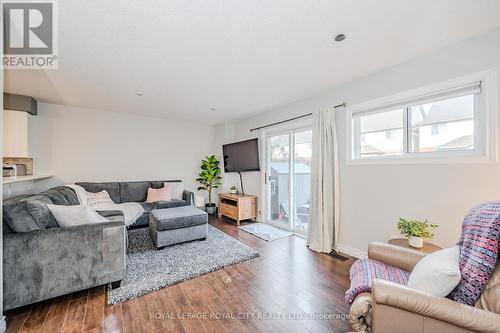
364,271
478,251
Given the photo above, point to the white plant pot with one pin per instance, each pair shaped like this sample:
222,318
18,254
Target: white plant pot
416,242
234,191
199,201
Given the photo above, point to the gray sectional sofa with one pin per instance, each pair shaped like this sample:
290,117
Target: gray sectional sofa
42,260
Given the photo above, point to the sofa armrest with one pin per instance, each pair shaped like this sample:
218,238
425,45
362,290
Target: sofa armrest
188,196
439,308
84,229
360,313
394,255
43,264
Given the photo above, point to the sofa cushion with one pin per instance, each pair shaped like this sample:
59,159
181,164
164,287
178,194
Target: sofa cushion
160,183
171,204
62,195
17,215
134,191
148,206
142,221
41,213
113,188
180,217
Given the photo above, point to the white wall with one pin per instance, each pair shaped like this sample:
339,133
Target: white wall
15,133
76,144
373,197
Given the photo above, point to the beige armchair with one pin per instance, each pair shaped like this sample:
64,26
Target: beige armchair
395,308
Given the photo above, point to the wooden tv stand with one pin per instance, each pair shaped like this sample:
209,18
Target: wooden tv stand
238,206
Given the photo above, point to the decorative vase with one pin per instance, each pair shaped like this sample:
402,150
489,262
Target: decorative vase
234,191
416,242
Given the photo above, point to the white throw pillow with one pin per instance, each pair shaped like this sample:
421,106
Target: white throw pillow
438,273
98,199
70,216
177,188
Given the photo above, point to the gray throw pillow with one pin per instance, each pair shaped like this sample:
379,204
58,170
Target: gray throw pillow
42,215
18,218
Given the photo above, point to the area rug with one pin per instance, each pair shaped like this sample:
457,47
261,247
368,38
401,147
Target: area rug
149,269
265,231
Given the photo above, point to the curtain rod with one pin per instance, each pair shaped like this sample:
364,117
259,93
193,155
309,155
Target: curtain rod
294,118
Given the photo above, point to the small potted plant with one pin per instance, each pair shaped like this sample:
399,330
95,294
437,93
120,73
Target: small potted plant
210,179
416,231
234,189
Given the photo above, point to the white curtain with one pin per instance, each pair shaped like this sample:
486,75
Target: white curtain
324,203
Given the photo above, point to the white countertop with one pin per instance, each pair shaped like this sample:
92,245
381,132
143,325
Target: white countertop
10,180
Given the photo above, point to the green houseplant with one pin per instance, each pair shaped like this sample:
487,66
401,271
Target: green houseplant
234,189
209,178
415,230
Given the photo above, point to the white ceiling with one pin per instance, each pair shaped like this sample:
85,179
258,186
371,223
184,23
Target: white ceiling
241,57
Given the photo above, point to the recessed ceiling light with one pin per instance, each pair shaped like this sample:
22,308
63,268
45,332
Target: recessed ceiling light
212,109
339,37
139,93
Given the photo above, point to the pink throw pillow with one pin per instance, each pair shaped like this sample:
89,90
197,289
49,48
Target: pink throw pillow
160,194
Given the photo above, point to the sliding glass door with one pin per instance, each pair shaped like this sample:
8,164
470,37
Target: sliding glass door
288,178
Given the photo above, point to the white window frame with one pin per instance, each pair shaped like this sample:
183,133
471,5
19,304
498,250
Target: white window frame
485,123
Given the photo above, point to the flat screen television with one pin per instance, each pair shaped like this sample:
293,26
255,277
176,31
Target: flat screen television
241,156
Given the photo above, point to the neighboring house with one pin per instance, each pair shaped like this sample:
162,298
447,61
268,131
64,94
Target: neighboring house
279,183
436,126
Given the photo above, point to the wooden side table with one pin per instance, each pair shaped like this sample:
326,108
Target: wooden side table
238,206
403,242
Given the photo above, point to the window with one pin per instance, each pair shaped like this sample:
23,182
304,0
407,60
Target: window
443,125
382,132
439,123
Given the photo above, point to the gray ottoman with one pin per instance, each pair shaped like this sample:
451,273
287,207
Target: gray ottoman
177,225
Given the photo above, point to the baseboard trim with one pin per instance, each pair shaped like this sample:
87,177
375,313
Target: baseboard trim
351,251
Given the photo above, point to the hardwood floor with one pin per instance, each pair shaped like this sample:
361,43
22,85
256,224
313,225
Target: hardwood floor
277,292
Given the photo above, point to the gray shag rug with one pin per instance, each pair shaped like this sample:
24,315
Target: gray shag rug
265,231
150,269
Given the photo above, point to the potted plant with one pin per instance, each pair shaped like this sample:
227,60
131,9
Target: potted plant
234,189
209,178
416,231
